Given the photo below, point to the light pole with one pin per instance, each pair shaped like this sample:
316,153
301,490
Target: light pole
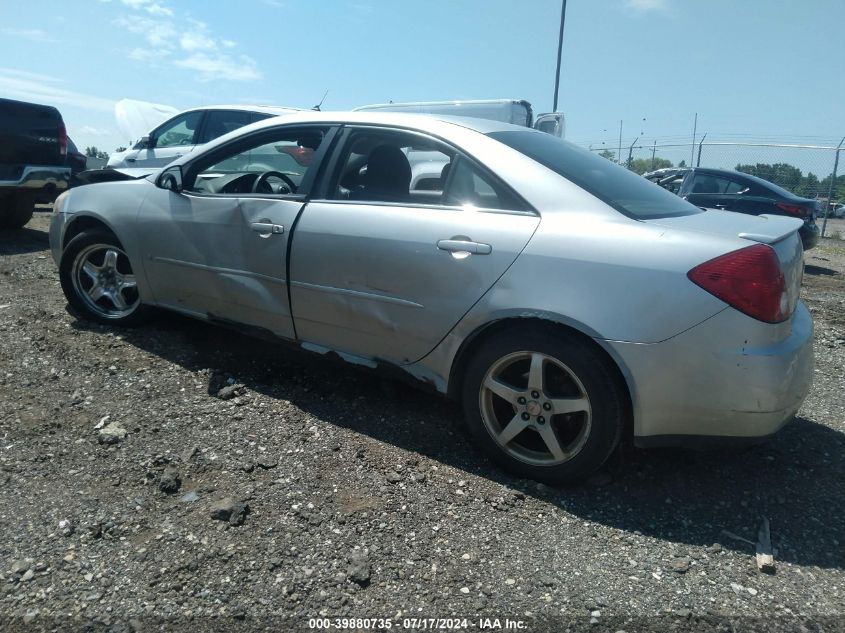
559,52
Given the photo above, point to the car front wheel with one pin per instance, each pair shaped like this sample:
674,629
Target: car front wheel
543,405
98,280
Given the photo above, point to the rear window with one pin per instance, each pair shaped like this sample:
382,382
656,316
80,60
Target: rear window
625,191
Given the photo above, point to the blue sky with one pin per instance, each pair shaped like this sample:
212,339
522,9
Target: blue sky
751,69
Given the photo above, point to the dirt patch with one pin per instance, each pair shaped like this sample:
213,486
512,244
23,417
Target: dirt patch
364,497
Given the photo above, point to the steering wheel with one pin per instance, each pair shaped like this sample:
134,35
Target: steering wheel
261,181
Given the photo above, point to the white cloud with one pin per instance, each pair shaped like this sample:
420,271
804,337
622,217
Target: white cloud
158,33
43,89
23,74
34,35
216,66
192,45
150,6
647,5
197,39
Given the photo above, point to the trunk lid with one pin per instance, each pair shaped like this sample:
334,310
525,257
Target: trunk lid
778,232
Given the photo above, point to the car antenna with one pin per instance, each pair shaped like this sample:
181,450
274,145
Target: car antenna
317,107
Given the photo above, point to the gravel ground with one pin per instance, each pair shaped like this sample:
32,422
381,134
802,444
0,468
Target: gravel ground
180,472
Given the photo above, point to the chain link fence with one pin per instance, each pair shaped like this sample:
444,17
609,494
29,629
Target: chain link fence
806,170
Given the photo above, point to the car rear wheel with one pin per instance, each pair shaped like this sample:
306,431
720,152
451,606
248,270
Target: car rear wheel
98,280
543,406
16,209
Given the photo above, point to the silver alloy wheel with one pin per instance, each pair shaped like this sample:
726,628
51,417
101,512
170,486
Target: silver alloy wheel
535,408
102,277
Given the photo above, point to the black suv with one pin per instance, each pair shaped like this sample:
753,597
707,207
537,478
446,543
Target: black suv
734,191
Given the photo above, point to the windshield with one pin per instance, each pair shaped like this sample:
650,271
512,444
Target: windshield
623,190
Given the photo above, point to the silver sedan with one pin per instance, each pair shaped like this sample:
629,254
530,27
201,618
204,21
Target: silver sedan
565,301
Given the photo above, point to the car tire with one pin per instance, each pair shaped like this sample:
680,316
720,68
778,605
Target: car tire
544,405
99,282
16,210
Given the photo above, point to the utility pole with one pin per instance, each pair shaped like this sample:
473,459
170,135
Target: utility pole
832,184
619,155
698,162
653,152
692,147
631,152
559,52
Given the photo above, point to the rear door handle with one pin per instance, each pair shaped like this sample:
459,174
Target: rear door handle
267,228
465,246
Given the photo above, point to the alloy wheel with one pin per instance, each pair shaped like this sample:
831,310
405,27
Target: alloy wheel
535,408
102,277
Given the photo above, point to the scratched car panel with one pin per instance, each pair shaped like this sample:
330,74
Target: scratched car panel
563,300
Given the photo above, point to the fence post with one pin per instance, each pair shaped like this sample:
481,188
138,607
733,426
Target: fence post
832,184
698,162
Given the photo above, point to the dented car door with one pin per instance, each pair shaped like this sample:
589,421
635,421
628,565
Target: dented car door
219,248
220,258
382,271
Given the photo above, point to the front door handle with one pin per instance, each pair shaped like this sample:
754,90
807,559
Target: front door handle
464,246
267,228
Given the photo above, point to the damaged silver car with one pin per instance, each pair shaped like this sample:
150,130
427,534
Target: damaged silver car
562,299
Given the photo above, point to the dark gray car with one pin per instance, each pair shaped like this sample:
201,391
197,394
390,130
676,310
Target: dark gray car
743,193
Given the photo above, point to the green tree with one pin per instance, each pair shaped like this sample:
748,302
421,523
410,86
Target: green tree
642,165
683,163
606,153
783,174
93,152
120,149
809,187
838,187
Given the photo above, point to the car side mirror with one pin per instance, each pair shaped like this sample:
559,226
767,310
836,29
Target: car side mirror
144,143
171,179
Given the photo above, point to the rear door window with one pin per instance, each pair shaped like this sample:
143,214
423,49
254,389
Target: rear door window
220,122
394,166
706,183
179,131
625,191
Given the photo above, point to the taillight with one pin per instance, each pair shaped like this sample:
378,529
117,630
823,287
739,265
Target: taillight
796,210
62,139
749,280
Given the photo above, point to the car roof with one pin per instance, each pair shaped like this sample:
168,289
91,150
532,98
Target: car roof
423,122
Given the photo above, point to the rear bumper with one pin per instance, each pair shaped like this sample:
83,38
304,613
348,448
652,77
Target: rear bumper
809,235
37,177
729,377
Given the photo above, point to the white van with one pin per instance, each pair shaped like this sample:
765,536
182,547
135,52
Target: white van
515,111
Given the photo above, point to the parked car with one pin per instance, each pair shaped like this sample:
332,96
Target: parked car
188,130
835,210
33,151
743,193
563,299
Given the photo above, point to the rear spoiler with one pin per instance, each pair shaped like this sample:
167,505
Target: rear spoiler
780,228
